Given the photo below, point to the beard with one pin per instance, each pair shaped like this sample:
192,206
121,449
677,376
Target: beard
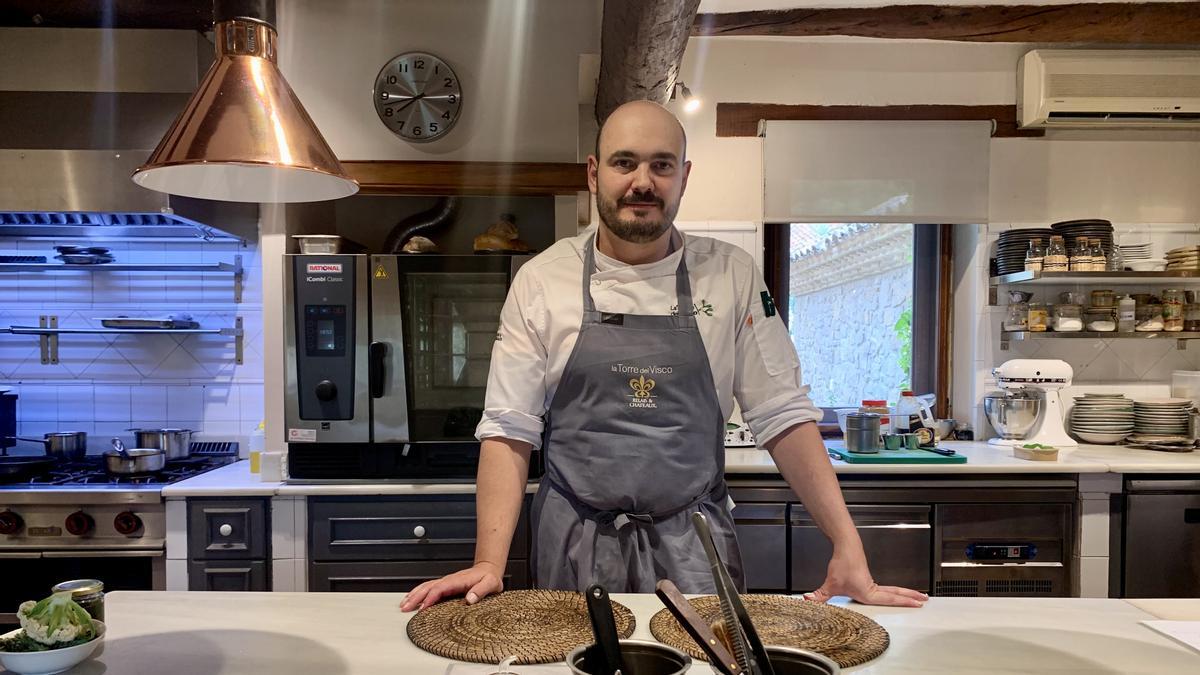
636,230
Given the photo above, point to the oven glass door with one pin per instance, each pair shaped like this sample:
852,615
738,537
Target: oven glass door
450,317
30,575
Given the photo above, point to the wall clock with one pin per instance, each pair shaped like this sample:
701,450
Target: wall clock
418,97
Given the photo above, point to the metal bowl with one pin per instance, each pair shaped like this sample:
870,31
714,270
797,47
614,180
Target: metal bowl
1012,416
641,658
793,661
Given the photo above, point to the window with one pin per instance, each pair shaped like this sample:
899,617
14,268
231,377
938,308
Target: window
860,301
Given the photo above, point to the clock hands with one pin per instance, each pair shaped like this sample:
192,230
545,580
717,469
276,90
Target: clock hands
407,103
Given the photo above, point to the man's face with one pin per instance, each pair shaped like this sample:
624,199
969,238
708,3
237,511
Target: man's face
640,174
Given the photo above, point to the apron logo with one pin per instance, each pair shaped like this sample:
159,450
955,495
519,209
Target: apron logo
768,304
705,307
641,397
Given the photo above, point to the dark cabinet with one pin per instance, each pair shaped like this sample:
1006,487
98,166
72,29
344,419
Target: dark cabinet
228,545
897,540
392,544
762,538
1161,543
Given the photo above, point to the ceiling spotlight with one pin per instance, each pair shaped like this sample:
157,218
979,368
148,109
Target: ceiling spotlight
680,92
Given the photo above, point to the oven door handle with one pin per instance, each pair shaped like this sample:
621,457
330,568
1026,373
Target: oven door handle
376,358
103,554
20,556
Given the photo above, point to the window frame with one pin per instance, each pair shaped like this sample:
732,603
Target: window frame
933,267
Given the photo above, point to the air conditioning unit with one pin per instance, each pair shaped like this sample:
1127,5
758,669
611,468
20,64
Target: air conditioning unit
1064,88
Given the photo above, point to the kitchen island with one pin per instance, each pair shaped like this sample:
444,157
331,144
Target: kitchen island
333,633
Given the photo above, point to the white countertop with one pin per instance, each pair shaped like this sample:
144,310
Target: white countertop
334,633
1171,609
235,480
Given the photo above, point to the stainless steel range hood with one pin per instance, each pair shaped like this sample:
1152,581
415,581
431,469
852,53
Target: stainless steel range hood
99,225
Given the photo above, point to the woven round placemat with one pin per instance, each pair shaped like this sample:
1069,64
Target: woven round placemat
844,636
534,626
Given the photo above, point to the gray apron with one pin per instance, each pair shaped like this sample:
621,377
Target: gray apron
634,444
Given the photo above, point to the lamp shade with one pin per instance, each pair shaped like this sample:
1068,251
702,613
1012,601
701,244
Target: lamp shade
244,136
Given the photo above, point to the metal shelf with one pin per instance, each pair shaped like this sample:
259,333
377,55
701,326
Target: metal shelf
1181,337
48,331
95,225
1113,278
234,268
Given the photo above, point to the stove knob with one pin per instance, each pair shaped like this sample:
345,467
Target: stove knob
80,523
127,522
10,523
326,390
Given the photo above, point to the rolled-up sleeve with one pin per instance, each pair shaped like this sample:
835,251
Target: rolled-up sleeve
515,404
766,379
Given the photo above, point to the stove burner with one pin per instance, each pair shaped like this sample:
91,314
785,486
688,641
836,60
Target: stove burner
90,471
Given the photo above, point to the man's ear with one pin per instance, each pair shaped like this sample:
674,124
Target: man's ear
593,166
687,171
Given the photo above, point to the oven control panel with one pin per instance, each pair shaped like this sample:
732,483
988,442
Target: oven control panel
1001,552
324,297
87,525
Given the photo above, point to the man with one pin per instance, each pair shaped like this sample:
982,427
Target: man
620,353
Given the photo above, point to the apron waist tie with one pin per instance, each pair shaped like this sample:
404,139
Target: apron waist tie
620,520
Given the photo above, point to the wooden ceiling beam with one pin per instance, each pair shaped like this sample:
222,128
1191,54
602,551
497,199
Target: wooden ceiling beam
1166,23
741,119
641,47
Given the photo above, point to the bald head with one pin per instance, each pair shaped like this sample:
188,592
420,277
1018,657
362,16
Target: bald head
642,118
639,172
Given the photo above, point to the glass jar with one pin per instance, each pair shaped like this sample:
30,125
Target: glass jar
1034,256
1116,260
1039,317
1148,318
87,593
1068,318
1018,316
1172,302
879,407
1056,259
1080,259
1100,319
1103,298
1099,261
1191,317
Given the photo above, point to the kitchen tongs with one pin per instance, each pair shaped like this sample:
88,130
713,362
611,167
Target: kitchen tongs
695,625
748,649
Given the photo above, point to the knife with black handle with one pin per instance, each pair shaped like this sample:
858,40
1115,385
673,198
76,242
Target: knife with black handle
604,626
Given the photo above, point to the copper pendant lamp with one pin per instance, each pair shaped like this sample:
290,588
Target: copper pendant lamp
244,137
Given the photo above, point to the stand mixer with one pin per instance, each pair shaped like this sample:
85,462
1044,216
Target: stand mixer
1016,413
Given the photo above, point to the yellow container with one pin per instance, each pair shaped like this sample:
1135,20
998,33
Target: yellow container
255,461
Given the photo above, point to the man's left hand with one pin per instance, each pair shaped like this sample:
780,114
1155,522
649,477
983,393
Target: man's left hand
849,575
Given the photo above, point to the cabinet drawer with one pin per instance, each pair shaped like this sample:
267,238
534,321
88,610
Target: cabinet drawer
897,540
398,577
228,575
227,529
762,538
401,529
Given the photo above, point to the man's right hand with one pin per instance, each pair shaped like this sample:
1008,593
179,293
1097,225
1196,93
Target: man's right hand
478,582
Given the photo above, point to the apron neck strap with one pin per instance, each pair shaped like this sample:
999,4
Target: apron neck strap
683,287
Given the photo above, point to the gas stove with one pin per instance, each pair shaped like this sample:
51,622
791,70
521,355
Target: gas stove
89,474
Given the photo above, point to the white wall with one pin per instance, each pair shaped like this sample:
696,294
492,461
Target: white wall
518,61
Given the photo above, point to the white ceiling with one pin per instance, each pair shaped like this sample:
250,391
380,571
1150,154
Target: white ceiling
722,6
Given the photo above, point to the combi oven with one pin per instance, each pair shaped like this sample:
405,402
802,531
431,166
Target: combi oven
387,363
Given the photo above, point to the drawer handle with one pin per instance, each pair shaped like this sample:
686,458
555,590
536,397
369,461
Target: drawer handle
419,531
225,530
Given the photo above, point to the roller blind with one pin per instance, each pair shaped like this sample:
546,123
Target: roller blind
881,172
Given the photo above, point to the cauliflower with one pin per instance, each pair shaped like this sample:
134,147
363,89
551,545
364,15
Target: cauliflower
56,621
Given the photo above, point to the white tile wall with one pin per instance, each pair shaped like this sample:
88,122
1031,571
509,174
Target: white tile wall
104,384
1135,367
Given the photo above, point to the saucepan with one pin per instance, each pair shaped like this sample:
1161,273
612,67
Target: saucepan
122,461
175,443
62,444
640,657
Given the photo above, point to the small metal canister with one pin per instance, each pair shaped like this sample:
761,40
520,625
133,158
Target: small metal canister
863,432
87,593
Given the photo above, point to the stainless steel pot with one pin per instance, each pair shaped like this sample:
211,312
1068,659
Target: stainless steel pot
1013,415
641,657
175,443
792,661
62,444
123,461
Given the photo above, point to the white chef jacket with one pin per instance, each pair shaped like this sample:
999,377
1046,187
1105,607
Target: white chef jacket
751,354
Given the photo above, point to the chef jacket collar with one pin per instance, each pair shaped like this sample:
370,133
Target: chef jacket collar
611,268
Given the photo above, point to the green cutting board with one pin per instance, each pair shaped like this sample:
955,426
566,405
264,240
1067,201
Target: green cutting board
895,457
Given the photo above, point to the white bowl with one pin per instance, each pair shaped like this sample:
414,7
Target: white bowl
1103,439
53,661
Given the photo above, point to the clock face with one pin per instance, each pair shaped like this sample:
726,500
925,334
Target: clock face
418,97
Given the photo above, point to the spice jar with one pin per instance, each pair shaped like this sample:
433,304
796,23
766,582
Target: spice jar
879,407
1148,318
1172,300
1056,259
1034,256
1100,319
1191,317
1103,298
1018,316
87,593
1068,318
1039,317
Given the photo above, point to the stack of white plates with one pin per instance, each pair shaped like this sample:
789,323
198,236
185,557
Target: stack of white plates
1140,257
1162,416
1184,258
1102,418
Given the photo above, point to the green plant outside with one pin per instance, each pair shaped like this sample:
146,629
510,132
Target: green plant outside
903,329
